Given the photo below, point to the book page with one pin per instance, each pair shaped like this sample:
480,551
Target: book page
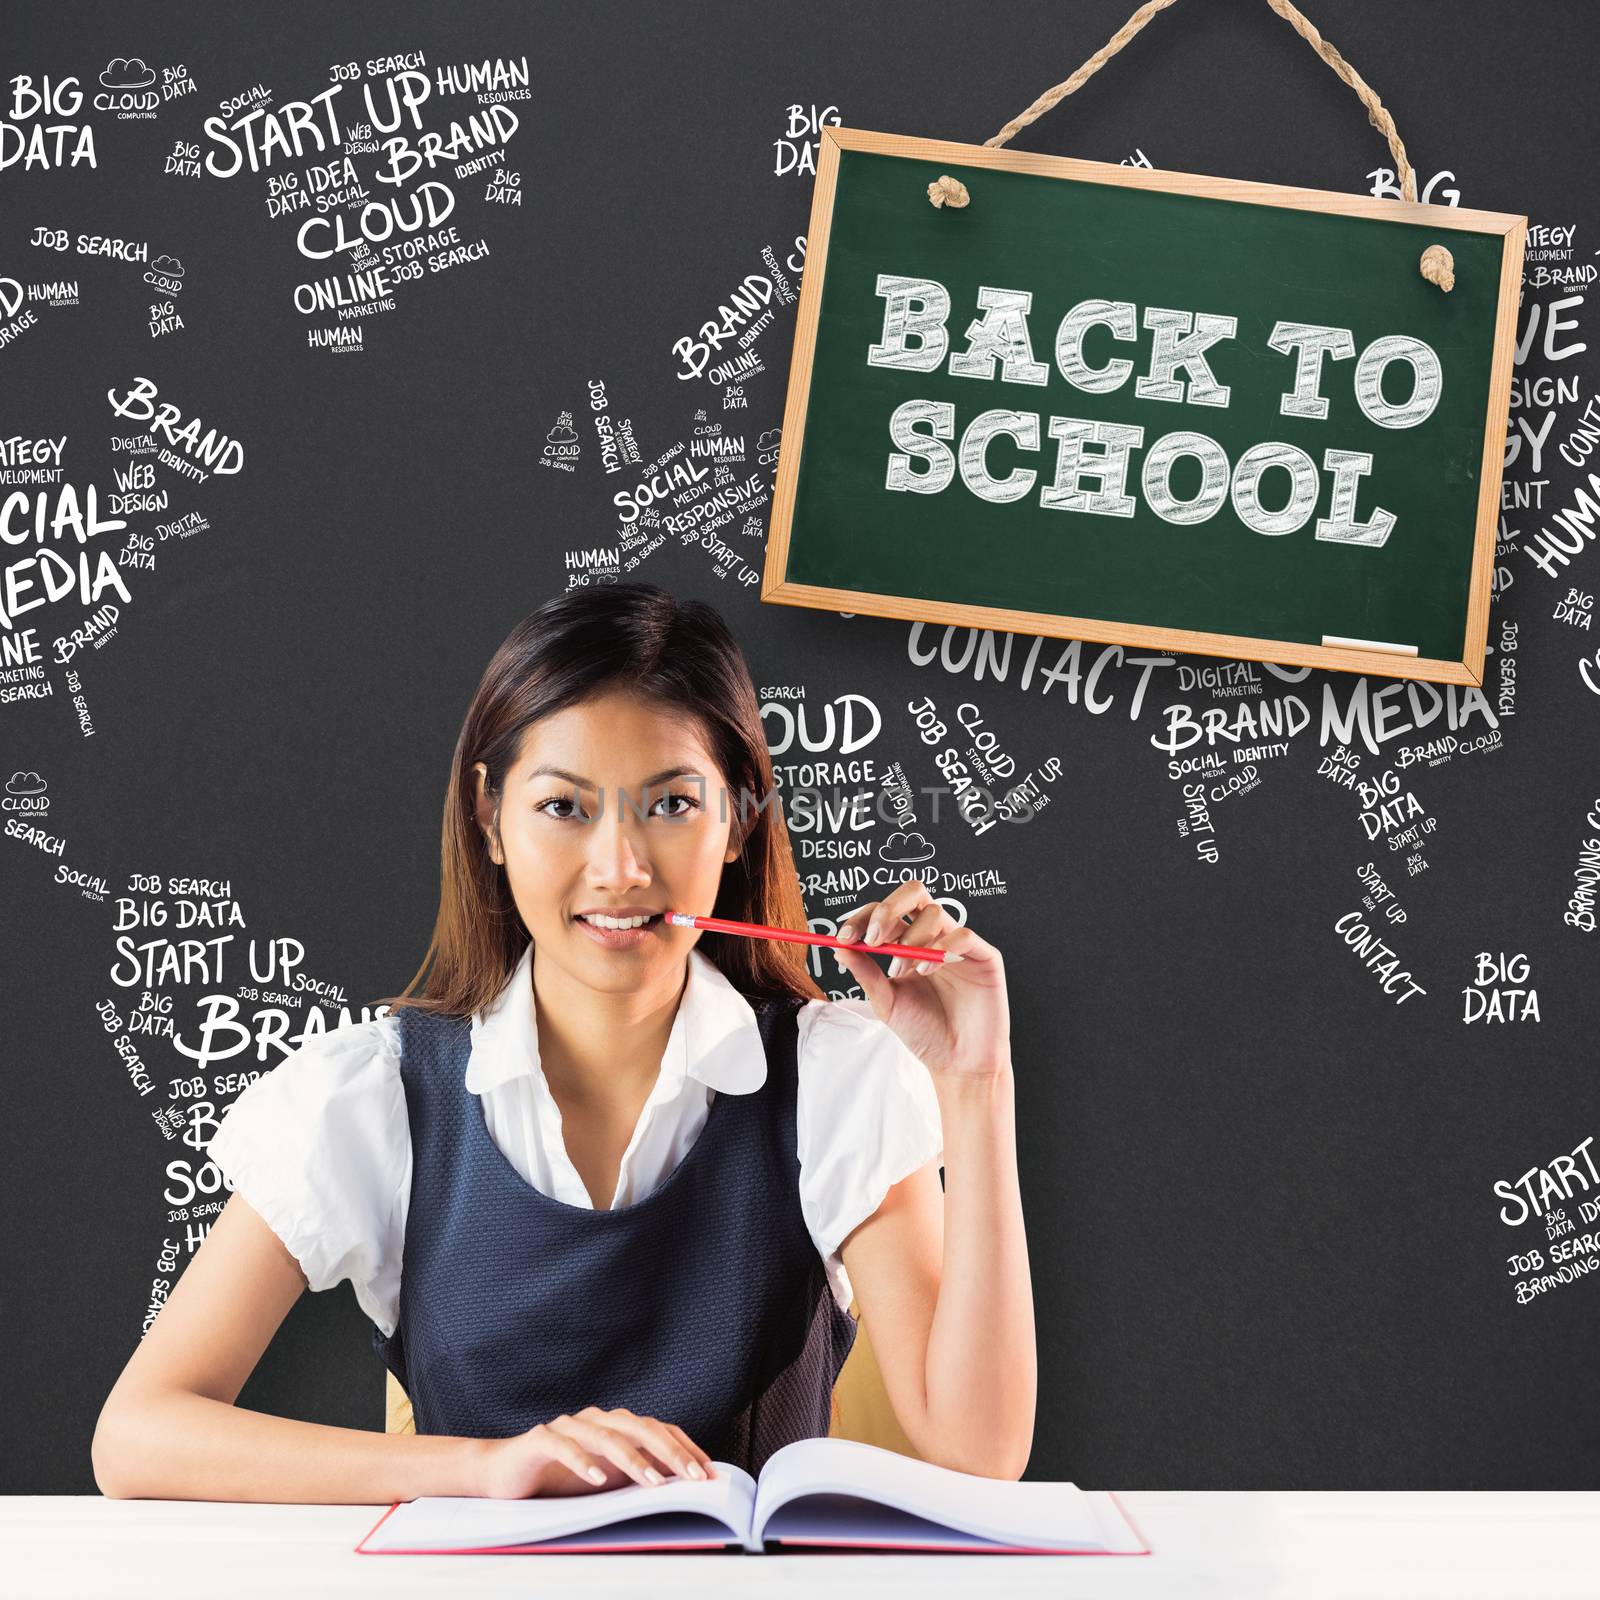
719,1508
849,1520
1053,1515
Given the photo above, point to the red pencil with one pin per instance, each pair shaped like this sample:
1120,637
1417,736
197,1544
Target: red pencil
756,930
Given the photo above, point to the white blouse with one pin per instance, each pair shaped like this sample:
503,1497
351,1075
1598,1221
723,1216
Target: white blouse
320,1147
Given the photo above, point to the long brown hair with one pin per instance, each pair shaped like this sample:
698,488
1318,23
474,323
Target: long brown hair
675,653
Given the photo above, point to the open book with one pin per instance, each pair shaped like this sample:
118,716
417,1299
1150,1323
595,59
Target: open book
836,1492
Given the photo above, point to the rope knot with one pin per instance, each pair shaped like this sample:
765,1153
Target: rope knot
1439,266
947,191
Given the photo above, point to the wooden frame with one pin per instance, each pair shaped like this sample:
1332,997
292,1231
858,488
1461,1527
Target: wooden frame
774,588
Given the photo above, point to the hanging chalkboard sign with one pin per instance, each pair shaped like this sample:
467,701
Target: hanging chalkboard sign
1146,407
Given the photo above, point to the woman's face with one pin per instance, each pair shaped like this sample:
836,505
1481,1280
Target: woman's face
614,810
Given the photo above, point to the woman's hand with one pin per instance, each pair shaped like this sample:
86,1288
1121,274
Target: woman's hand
953,1017
588,1452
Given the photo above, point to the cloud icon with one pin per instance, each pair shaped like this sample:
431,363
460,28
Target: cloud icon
561,434
167,266
127,72
25,783
906,848
769,437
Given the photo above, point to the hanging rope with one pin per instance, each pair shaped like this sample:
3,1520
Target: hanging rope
1437,265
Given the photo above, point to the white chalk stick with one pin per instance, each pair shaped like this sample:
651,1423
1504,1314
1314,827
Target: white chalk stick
1370,644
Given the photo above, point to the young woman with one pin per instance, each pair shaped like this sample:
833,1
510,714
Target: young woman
606,1188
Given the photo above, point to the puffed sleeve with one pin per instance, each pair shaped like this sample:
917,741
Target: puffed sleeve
868,1116
321,1148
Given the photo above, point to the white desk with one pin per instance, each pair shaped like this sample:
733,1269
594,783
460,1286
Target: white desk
1233,1546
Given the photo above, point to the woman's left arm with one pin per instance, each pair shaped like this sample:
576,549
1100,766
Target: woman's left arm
948,1297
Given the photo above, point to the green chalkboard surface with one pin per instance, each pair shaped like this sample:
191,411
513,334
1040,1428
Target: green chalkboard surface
1144,406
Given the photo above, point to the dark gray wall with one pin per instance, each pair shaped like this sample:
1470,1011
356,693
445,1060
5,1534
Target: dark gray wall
1267,1245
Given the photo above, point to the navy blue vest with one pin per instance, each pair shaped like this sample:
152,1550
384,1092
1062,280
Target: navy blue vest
704,1304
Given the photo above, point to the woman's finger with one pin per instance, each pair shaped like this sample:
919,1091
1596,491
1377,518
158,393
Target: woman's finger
667,1445
927,926
884,921
702,1456
605,1440
892,911
559,1445
695,1452
853,922
874,984
930,928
